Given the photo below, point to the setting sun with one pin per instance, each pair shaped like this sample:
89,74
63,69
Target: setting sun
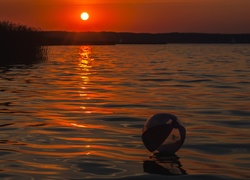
84,16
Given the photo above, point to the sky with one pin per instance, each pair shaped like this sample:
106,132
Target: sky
140,16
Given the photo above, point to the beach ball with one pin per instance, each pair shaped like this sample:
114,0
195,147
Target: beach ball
163,133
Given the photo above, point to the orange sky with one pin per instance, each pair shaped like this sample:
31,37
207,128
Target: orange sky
154,16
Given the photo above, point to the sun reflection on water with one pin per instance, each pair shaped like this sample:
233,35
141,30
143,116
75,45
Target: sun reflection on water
85,66
85,63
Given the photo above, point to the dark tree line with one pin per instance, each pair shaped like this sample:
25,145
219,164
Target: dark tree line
78,38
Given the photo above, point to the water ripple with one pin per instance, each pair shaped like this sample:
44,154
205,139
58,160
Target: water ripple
80,114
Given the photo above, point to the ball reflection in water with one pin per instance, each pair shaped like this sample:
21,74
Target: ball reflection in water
163,133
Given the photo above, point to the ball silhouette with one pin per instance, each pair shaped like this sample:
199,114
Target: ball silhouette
163,133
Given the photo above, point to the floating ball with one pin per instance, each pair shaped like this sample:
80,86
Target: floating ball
163,133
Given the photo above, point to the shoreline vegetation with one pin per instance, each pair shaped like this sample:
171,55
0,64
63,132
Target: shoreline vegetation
20,44
26,45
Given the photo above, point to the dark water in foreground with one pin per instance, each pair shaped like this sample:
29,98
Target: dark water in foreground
80,114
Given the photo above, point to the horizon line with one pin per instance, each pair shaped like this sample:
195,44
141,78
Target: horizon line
131,32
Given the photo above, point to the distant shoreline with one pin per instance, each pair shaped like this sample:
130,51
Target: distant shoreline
111,38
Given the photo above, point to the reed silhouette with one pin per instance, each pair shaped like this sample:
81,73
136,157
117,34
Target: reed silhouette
20,44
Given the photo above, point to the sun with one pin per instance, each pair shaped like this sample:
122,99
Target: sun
85,16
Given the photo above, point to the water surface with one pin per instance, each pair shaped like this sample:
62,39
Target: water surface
80,114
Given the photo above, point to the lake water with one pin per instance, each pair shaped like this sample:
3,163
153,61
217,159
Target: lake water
80,113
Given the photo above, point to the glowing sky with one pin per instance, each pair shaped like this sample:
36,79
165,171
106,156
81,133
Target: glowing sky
154,16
